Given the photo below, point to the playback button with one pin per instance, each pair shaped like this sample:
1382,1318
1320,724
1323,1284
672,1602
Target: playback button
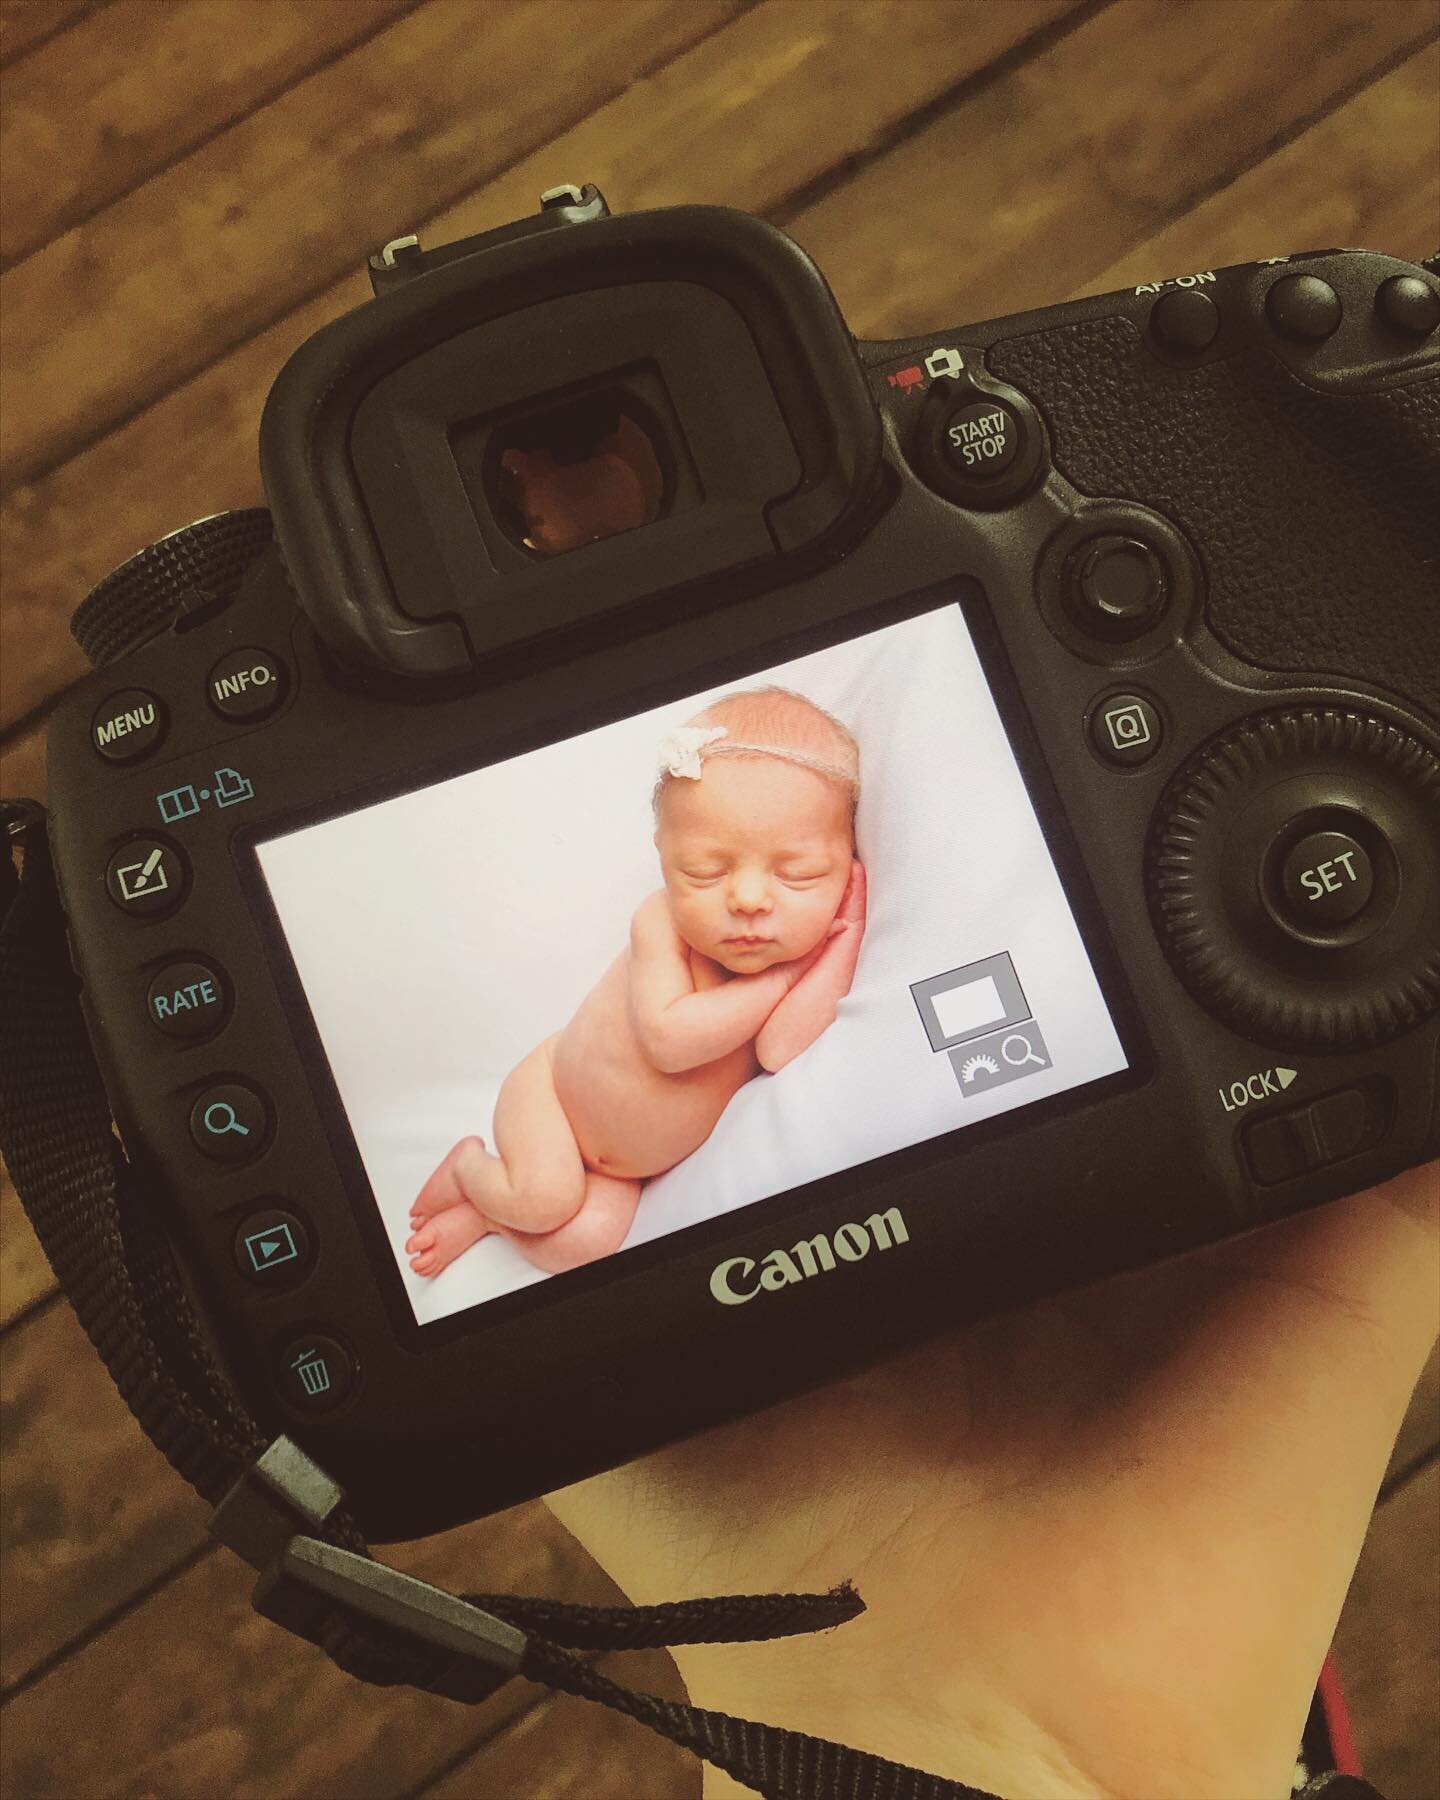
273,1249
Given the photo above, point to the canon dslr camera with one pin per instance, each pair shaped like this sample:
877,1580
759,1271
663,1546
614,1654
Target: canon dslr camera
684,851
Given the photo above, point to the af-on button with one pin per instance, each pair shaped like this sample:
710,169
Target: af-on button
1185,321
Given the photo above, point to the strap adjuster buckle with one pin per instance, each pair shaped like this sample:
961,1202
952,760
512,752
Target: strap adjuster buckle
378,1623
466,1654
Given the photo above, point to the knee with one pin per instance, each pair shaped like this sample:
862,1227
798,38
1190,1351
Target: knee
550,1203
605,1219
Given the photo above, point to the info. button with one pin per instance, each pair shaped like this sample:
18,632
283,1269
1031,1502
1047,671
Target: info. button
188,1000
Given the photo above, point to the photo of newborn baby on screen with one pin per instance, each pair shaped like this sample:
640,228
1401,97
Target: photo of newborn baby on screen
734,966
587,997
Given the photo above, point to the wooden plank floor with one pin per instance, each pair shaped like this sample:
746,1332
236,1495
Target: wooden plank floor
188,188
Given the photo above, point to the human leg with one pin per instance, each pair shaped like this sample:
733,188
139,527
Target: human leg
598,1229
536,1182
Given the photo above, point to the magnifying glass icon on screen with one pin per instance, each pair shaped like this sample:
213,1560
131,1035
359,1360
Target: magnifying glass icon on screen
1017,1062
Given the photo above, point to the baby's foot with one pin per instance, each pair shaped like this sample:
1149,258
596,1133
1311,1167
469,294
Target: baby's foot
437,1242
442,1190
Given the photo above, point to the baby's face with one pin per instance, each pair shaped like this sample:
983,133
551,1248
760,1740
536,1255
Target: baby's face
756,855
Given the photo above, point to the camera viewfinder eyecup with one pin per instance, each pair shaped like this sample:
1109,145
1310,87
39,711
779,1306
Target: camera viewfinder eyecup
685,371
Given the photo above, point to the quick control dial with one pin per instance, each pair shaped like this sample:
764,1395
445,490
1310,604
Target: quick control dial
1293,873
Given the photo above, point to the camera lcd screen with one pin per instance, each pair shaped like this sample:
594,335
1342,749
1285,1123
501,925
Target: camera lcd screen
650,975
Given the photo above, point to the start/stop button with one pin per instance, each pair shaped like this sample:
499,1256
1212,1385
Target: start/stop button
982,438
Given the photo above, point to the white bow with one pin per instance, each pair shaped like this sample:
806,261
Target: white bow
680,750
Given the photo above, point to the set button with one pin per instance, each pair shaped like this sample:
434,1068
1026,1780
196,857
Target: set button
188,1000
230,1122
128,725
147,877
1326,878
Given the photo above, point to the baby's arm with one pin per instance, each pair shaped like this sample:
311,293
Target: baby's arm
812,1003
679,1027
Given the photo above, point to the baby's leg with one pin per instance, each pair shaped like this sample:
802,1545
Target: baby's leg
597,1230
443,1189
537,1181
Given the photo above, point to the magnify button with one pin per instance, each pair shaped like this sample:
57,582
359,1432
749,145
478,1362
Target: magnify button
1017,1050
230,1122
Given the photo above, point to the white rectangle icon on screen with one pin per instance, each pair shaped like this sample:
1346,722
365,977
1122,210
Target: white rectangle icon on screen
962,1009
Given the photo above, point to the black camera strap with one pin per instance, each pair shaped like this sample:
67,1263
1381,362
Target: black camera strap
277,1508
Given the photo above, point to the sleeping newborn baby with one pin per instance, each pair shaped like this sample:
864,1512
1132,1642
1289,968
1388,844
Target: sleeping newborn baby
736,965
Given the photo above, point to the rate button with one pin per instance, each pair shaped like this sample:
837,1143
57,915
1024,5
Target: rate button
188,1000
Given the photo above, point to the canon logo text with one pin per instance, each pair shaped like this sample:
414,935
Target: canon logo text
736,1280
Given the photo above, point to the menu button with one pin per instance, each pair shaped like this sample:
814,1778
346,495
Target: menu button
128,725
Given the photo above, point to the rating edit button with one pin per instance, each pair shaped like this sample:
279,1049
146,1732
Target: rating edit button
188,1000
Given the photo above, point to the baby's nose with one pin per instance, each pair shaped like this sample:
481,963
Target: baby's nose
750,895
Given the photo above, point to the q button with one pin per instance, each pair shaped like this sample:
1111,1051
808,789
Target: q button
230,1122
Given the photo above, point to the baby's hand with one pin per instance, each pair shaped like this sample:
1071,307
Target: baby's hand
850,914
852,901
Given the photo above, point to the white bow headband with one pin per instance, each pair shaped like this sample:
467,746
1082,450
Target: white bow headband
681,749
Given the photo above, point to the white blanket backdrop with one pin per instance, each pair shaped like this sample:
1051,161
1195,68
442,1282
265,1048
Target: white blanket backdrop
441,935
